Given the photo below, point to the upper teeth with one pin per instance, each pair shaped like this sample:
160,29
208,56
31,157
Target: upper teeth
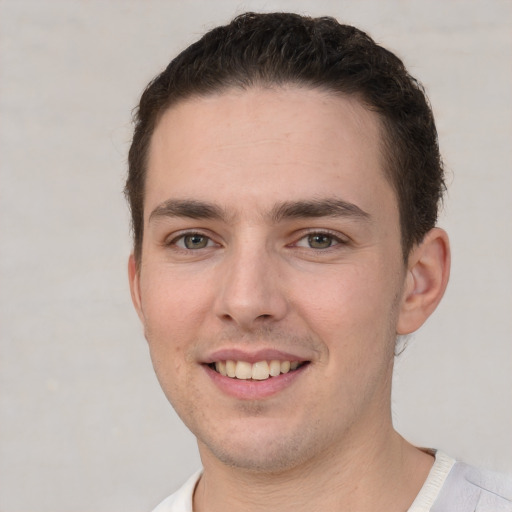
258,371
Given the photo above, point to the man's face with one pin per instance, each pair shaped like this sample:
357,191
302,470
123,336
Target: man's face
271,236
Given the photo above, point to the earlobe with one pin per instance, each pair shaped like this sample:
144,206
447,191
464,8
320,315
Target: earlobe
133,276
427,277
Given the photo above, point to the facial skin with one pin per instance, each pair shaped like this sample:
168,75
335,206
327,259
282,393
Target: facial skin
322,282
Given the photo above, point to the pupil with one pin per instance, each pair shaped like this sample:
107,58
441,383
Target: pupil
320,241
195,241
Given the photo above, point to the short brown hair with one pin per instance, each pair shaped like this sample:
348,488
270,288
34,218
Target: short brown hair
285,48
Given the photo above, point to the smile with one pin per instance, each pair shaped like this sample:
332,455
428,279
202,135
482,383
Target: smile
261,370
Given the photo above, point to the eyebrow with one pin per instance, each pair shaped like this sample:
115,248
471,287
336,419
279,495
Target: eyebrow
188,208
316,208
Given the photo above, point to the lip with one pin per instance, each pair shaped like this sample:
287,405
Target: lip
269,354
254,389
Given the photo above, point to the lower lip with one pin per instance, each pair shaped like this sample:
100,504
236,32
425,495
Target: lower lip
254,389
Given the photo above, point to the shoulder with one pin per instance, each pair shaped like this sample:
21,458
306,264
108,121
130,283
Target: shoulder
181,500
468,488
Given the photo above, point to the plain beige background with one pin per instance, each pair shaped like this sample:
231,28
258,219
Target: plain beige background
83,423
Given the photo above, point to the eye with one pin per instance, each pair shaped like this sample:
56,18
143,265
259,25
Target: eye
318,241
193,241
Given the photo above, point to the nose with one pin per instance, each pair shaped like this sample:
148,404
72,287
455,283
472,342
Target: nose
250,292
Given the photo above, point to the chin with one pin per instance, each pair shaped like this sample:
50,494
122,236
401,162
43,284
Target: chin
266,451
269,459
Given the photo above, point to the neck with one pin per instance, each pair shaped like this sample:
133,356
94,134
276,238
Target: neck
385,473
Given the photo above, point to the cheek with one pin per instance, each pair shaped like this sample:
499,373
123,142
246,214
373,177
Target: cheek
171,312
348,297
170,305
354,313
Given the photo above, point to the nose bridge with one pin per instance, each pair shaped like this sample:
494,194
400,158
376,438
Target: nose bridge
250,290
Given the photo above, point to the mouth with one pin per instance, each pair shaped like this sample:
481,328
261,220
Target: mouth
260,370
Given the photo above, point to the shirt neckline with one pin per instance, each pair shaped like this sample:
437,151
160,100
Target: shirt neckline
434,482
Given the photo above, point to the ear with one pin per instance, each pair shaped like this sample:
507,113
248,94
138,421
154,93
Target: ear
134,278
428,270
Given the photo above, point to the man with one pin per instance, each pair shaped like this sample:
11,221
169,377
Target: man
284,182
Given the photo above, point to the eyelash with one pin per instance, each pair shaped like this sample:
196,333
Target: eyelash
334,239
182,236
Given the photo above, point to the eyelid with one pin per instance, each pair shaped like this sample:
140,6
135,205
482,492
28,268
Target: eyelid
339,238
172,239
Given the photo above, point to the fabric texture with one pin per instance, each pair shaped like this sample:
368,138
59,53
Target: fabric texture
451,486
470,489
181,500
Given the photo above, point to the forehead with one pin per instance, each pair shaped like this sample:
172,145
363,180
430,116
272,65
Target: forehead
268,144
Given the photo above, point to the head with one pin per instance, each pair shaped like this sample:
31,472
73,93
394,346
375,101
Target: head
317,53
278,177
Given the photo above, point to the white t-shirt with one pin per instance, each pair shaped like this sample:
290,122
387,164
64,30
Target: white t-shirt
451,486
